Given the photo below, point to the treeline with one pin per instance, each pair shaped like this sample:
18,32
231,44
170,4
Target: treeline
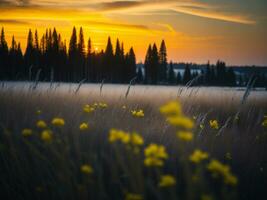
48,58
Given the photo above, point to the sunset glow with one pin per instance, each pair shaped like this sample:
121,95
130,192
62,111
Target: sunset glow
194,30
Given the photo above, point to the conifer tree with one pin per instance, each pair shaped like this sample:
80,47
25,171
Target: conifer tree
148,69
187,75
171,74
162,72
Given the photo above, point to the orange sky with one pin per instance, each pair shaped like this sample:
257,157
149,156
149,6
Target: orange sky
194,30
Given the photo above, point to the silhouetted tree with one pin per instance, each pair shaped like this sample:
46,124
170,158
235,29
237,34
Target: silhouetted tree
148,65
162,71
171,74
154,64
187,75
179,78
108,62
73,56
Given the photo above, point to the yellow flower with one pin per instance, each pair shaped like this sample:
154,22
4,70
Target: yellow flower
46,135
103,105
86,169
83,126
58,122
41,124
153,162
181,121
27,132
154,150
155,154
118,135
185,135
171,108
167,181
219,169
214,124
88,109
131,196
264,123
139,113
136,139
124,107
198,156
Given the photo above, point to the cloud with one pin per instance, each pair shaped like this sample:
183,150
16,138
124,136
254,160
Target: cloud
134,26
12,21
212,10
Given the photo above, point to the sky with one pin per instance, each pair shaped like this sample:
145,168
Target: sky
194,30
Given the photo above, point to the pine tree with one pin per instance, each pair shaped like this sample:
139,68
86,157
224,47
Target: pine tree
187,75
73,54
3,55
108,62
179,78
171,74
81,56
162,72
148,70
118,71
154,64
29,55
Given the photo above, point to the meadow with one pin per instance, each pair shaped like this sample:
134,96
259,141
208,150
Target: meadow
93,141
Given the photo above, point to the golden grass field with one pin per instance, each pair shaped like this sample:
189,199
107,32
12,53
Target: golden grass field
65,141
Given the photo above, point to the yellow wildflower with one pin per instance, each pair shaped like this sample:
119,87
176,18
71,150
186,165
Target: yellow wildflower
88,109
155,154
219,169
103,105
167,181
118,135
198,156
41,124
131,196
139,113
214,124
83,126
185,135
27,132
58,122
136,139
153,162
95,104
171,108
86,169
46,135
181,121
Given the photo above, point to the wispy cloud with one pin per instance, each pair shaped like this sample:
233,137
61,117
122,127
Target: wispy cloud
12,21
216,11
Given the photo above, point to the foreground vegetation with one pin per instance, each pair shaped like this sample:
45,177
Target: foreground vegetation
82,144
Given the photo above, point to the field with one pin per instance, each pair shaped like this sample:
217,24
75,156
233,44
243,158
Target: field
92,141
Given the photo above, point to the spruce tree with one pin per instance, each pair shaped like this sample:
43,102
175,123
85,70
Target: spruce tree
162,72
154,64
187,75
148,70
171,74
3,55
73,49
108,62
